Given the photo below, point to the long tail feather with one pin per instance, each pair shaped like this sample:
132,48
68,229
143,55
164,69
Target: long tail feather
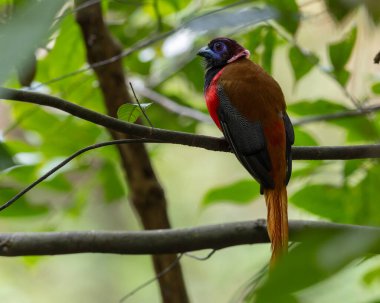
277,221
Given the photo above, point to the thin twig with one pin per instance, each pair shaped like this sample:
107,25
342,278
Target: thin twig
139,45
66,161
339,115
142,109
155,278
171,105
208,256
78,8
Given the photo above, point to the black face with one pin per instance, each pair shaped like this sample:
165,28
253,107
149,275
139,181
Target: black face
219,51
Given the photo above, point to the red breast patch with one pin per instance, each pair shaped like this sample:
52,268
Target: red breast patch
212,100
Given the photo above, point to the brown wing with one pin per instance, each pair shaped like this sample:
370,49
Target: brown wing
251,107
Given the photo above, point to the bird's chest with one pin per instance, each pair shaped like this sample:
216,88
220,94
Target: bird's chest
212,98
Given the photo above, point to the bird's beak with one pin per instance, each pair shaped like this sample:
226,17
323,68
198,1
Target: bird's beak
205,52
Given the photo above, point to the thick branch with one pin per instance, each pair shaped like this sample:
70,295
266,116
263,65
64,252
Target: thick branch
114,124
163,241
167,136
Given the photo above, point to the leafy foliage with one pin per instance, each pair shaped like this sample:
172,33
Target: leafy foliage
20,43
340,53
302,63
340,9
6,159
240,192
131,112
318,259
51,55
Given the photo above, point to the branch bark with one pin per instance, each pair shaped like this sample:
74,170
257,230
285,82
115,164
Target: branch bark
174,137
146,193
165,241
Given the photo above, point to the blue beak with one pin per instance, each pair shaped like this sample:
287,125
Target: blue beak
205,52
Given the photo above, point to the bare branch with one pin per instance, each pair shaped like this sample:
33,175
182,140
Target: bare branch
163,241
174,137
171,105
339,115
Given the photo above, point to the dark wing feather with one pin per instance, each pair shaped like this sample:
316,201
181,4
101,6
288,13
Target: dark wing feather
289,142
246,139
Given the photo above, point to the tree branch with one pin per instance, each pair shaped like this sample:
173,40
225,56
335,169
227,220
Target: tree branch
164,241
174,137
162,135
344,114
170,105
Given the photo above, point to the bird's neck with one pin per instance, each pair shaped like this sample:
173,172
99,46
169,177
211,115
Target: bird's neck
210,74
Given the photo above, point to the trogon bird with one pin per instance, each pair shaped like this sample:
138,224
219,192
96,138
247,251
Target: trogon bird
248,106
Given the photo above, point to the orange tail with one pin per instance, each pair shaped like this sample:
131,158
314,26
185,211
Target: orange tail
277,221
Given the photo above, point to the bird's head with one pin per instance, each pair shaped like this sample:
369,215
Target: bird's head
222,51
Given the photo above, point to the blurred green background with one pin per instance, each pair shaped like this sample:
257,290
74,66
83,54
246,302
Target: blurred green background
321,53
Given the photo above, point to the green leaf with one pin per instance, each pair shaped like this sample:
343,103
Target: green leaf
22,207
288,14
363,201
350,166
307,170
269,45
6,159
343,204
23,174
68,45
57,182
317,107
301,63
376,88
21,42
322,254
240,192
131,112
255,39
359,129
339,9
323,200
112,182
53,127
342,76
372,276
340,53
303,138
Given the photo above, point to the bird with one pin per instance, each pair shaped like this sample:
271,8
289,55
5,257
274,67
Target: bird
249,107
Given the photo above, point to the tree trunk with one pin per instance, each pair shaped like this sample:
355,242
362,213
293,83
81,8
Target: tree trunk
146,193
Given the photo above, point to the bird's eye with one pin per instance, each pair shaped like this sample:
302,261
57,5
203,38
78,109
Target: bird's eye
218,46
